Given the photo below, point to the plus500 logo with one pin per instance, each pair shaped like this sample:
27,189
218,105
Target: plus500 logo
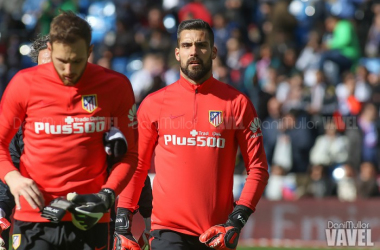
200,141
75,128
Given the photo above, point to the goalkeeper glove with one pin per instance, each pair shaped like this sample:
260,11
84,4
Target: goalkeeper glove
4,225
226,236
56,209
123,238
115,146
90,208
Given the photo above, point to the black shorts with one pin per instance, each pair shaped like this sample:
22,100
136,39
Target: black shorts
167,239
58,236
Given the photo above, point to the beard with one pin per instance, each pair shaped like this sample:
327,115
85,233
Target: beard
199,71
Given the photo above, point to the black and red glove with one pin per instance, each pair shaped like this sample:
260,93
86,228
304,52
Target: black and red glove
123,238
4,225
226,236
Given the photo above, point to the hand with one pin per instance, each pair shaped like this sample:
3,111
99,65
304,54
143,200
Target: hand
123,243
226,236
20,185
4,225
123,238
57,209
89,208
115,146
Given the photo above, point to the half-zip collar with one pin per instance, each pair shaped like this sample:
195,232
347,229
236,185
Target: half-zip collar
198,88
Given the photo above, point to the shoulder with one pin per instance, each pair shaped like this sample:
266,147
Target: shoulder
102,73
231,92
26,73
157,96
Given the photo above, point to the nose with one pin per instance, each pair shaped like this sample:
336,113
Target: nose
67,69
193,50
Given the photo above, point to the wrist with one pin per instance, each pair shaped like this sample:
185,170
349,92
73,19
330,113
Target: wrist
11,175
123,222
239,216
108,195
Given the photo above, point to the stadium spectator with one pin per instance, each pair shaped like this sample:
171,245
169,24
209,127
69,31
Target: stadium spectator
308,60
363,90
346,186
318,184
368,126
343,47
329,149
270,127
345,92
373,40
148,78
298,140
34,189
190,206
367,183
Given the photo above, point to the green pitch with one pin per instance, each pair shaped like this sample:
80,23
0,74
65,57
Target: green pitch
283,248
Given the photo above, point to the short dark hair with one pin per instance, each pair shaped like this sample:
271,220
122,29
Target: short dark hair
195,24
39,44
68,28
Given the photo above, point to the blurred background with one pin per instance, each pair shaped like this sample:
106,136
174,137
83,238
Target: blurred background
310,67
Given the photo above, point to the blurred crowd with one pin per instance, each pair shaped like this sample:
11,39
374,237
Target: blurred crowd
310,67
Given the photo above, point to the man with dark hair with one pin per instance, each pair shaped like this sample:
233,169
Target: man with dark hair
67,106
194,127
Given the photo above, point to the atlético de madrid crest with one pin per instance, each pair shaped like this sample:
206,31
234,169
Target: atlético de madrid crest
215,117
16,241
89,102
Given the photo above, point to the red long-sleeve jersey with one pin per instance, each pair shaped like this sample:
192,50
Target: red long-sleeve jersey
63,132
194,132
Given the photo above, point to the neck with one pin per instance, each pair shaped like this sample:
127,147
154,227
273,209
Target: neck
198,82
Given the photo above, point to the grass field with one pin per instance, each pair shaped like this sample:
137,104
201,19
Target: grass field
283,248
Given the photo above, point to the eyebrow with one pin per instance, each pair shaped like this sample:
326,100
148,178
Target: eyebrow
197,43
69,60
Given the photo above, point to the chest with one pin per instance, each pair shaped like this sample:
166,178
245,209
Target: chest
68,110
196,119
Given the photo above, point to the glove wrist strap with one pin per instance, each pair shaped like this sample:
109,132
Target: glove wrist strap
239,216
108,195
123,223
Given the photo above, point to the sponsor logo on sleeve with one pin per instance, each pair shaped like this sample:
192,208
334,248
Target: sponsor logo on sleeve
255,127
132,116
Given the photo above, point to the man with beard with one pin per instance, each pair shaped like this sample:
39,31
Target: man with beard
67,106
194,127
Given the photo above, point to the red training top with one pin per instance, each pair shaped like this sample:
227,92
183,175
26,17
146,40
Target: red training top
63,132
194,132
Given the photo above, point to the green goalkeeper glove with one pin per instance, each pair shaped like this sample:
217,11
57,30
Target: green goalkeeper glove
90,208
